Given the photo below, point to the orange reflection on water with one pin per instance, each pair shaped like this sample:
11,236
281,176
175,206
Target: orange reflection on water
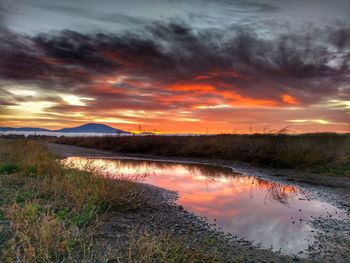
270,213
189,179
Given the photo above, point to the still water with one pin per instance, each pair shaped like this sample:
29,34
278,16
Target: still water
271,214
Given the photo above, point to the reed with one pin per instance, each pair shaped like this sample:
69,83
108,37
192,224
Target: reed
326,153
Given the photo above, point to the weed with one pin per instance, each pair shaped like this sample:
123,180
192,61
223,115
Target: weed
80,219
63,214
8,168
31,170
85,217
25,196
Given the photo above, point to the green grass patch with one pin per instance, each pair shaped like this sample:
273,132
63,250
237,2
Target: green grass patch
80,219
8,168
86,216
26,196
31,170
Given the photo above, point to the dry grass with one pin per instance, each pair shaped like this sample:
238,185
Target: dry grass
53,209
324,152
150,247
40,236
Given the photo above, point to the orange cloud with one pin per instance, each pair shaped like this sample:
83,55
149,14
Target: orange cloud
234,98
247,101
289,99
200,87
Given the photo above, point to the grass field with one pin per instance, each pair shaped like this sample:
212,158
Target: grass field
321,153
49,212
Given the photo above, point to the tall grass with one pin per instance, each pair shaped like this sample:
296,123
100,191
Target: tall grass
327,153
40,236
53,208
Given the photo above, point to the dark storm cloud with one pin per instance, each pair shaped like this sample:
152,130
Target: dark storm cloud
113,17
310,65
340,37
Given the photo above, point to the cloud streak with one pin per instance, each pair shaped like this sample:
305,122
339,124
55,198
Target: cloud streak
115,18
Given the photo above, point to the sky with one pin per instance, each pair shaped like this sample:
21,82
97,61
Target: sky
176,66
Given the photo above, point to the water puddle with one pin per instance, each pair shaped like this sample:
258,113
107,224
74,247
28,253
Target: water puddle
271,214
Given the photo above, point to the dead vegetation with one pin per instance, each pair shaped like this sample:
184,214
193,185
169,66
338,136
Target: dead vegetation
53,209
326,153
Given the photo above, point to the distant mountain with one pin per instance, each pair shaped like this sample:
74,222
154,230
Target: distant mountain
86,128
91,128
26,129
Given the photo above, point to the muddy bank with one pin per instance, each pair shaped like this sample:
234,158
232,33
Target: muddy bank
333,188
285,174
163,216
332,244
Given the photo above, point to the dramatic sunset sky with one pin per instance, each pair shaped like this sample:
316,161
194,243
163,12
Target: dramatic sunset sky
176,65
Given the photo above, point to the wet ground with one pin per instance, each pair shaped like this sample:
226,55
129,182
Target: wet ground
252,204
267,213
